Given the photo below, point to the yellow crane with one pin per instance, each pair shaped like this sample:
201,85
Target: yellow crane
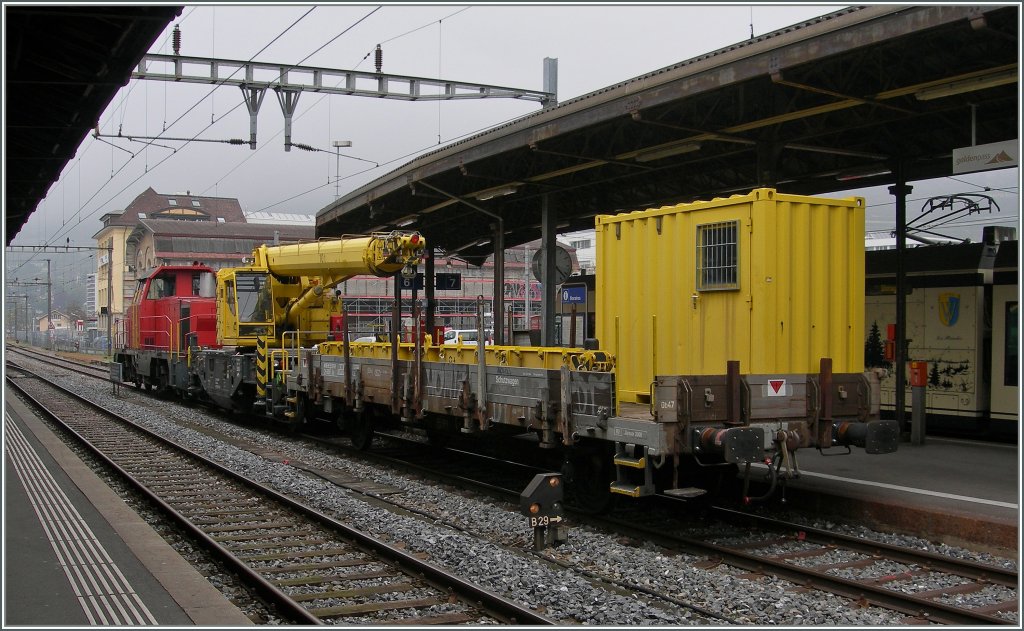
285,288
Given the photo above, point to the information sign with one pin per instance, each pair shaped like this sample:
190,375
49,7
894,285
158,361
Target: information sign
574,294
448,281
408,283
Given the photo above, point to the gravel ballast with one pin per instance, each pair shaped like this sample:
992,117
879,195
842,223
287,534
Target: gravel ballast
490,542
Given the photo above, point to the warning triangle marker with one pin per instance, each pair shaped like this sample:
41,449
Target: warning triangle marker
776,384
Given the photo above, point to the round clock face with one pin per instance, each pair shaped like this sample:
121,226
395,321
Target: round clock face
563,264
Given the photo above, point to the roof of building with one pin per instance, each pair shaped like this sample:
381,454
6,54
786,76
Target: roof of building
225,230
150,204
263,216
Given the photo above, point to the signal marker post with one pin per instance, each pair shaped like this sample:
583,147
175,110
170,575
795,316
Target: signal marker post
541,502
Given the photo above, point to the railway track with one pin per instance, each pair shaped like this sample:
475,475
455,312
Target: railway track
99,370
855,568
865,571
313,568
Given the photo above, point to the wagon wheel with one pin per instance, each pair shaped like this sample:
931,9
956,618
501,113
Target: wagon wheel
341,416
587,478
438,439
296,422
361,428
163,377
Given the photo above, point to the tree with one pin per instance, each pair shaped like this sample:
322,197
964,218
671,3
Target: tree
933,375
874,350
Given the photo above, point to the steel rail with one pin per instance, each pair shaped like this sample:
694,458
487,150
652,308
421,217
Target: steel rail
961,567
848,588
493,603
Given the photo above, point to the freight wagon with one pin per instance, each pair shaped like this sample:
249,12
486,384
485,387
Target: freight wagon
728,332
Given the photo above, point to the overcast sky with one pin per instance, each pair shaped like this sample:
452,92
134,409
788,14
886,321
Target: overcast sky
596,46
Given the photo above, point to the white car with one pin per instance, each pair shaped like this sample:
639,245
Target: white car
468,337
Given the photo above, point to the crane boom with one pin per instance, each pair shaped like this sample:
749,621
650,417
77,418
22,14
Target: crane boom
335,260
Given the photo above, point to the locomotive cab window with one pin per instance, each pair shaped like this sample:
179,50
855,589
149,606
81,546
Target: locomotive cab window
161,287
717,256
252,292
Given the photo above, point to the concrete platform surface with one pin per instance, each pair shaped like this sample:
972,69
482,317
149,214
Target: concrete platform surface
957,491
76,554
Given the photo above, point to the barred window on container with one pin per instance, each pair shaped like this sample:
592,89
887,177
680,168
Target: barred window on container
717,256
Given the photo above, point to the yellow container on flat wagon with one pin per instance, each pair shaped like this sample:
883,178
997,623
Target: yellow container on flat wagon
772,280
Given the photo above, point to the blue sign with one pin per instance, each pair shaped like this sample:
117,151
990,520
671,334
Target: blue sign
576,294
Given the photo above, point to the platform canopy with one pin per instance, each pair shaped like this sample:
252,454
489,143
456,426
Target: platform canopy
63,66
839,102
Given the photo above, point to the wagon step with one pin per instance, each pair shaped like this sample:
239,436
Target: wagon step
622,460
634,475
623,488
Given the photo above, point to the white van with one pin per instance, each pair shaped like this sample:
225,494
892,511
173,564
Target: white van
467,336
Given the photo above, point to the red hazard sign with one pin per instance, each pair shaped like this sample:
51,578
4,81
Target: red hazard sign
776,387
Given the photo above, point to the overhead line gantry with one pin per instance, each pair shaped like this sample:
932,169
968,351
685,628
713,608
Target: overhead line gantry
290,81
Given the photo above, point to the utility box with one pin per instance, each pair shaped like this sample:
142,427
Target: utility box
772,280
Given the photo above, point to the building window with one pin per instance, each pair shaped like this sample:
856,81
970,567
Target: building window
580,245
172,202
195,203
717,255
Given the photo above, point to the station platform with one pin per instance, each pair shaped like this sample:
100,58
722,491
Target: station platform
954,491
76,555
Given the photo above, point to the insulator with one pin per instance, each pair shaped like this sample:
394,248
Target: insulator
378,57
176,40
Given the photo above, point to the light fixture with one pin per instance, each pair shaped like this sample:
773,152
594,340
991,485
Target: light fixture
338,144
859,174
967,85
667,151
405,221
498,191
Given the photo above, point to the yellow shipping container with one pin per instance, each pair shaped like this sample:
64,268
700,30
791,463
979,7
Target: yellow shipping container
774,281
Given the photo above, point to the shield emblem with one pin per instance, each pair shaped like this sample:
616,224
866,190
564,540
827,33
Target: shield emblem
949,308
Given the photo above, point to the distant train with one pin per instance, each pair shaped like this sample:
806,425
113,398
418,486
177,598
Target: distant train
726,333
962,318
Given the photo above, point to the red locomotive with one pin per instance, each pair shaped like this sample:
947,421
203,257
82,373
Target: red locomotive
174,308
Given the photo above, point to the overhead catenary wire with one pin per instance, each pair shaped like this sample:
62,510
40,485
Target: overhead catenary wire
61,233
317,102
116,172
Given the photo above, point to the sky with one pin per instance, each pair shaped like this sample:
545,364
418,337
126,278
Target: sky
596,46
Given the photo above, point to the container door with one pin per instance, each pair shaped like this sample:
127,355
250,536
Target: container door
720,300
